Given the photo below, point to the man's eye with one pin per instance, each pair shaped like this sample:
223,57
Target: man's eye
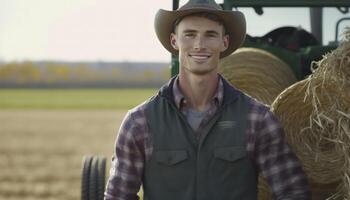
189,34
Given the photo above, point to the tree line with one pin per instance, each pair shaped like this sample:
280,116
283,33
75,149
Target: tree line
46,74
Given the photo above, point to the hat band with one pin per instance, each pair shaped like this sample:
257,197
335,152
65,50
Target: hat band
204,6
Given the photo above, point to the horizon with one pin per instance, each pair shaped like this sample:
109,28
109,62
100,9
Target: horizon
83,61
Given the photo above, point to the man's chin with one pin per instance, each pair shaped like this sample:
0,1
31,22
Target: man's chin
202,72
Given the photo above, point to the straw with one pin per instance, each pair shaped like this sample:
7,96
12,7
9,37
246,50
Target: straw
315,113
258,73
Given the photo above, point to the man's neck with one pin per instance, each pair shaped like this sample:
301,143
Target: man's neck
198,89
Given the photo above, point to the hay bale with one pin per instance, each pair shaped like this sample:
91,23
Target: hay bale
324,191
315,113
294,110
258,73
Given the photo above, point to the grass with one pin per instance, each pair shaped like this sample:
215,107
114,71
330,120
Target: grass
73,98
50,130
41,151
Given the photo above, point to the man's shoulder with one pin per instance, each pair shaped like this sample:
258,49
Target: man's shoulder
136,116
141,108
257,108
254,104
258,104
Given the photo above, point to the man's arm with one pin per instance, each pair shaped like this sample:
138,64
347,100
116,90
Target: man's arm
277,163
128,160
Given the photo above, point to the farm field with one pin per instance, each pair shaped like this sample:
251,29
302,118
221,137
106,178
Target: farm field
73,98
42,145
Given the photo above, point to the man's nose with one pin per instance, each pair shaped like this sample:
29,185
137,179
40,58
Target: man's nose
199,43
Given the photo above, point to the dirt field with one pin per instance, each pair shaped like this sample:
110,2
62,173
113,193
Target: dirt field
41,150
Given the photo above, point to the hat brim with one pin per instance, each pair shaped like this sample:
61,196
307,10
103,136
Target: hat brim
234,22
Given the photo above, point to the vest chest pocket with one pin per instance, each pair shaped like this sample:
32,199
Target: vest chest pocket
230,154
170,157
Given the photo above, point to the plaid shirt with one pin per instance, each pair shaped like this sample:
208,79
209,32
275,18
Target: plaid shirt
265,146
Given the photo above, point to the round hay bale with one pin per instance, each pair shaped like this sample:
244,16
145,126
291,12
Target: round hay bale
335,66
317,154
315,113
258,73
324,191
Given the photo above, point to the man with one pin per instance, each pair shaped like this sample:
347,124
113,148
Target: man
200,138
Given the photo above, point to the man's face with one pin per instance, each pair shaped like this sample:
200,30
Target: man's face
199,41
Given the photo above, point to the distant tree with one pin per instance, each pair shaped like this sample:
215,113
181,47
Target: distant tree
166,73
148,75
20,73
7,71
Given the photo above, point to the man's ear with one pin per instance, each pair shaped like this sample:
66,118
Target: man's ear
226,40
173,41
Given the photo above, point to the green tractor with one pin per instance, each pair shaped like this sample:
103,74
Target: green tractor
294,45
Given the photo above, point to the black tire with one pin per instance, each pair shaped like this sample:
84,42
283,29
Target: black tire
93,179
101,177
85,179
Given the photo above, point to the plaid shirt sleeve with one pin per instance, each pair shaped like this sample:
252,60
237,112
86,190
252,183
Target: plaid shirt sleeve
275,159
131,149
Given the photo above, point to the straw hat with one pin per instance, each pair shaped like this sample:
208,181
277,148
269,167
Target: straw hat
234,22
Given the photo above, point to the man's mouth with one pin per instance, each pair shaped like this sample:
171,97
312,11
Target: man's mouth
200,56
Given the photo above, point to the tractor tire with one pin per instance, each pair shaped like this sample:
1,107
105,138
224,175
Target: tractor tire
101,177
85,177
93,178
93,181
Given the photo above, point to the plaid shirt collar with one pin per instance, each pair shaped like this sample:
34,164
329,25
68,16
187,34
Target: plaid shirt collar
181,102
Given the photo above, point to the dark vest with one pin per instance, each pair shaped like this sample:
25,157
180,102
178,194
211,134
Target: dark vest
214,167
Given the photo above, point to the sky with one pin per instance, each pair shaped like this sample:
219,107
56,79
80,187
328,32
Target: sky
113,30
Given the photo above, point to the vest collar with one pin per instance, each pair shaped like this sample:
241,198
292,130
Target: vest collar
230,93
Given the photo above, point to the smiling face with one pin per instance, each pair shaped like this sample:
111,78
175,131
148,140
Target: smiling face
199,41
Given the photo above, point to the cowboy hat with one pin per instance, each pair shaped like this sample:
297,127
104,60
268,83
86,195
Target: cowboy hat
234,23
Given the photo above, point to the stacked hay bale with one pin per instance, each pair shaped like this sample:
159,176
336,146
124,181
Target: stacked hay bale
257,73
262,76
315,114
